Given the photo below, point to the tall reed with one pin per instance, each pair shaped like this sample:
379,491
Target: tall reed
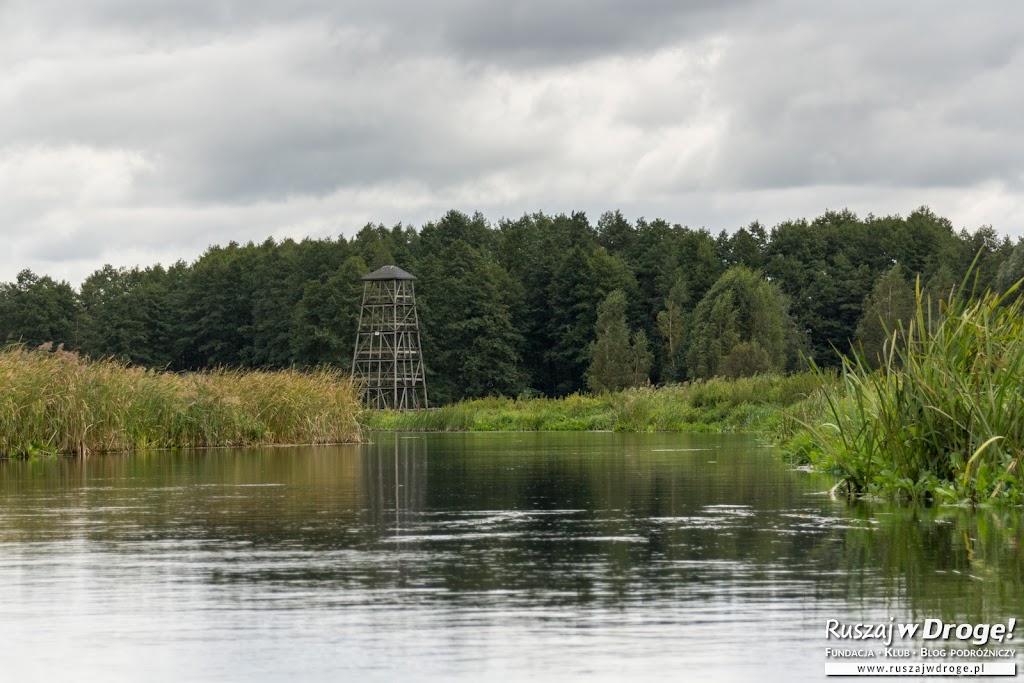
943,416
57,402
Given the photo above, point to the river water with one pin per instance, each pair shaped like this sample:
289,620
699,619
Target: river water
510,556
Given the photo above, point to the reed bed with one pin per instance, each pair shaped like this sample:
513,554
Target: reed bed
717,405
942,418
57,402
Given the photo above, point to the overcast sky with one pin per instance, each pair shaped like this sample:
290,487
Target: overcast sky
142,131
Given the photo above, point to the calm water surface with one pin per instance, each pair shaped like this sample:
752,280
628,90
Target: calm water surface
465,556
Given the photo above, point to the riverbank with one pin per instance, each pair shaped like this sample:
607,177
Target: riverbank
55,402
942,418
766,403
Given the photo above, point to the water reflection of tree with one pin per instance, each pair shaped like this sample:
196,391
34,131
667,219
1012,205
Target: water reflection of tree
556,519
256,495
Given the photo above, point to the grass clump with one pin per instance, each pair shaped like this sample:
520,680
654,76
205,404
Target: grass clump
716,405
57,402
572,413
942,418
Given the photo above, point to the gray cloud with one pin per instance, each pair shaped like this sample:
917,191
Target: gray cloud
149,130
523,31
539,32
919,100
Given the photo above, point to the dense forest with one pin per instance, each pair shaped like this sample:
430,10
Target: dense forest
538,305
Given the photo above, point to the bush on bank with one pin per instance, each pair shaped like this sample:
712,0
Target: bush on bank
746,404
942,418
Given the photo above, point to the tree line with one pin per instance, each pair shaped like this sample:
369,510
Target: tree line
536,305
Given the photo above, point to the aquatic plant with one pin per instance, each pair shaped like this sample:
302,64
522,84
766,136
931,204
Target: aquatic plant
746,404
942,417
53,401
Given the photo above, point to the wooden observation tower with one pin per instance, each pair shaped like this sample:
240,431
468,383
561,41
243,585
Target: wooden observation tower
387,358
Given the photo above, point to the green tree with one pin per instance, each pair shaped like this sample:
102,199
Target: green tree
986,251
615,233
694,257
326,318
890,305
713,334
218,312
672,330
740,307
615,363
609,353
941,284
128,314
470,345
278,303
1011,271
379,246
274,285
746,359
640,360
35,310
745,247
456,226
581,282
532,249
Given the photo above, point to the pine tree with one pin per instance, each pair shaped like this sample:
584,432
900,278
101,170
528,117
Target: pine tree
470,345
327,315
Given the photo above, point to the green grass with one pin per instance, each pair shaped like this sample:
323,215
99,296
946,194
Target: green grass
942,418
749,404
57,402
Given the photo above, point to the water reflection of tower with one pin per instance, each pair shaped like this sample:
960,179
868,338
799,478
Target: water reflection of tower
395,484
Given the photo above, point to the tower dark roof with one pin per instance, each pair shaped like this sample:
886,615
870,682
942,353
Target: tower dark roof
389,273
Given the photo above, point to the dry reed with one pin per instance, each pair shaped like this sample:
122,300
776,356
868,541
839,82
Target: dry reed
57,402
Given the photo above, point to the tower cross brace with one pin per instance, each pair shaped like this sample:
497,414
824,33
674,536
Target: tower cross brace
387,357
